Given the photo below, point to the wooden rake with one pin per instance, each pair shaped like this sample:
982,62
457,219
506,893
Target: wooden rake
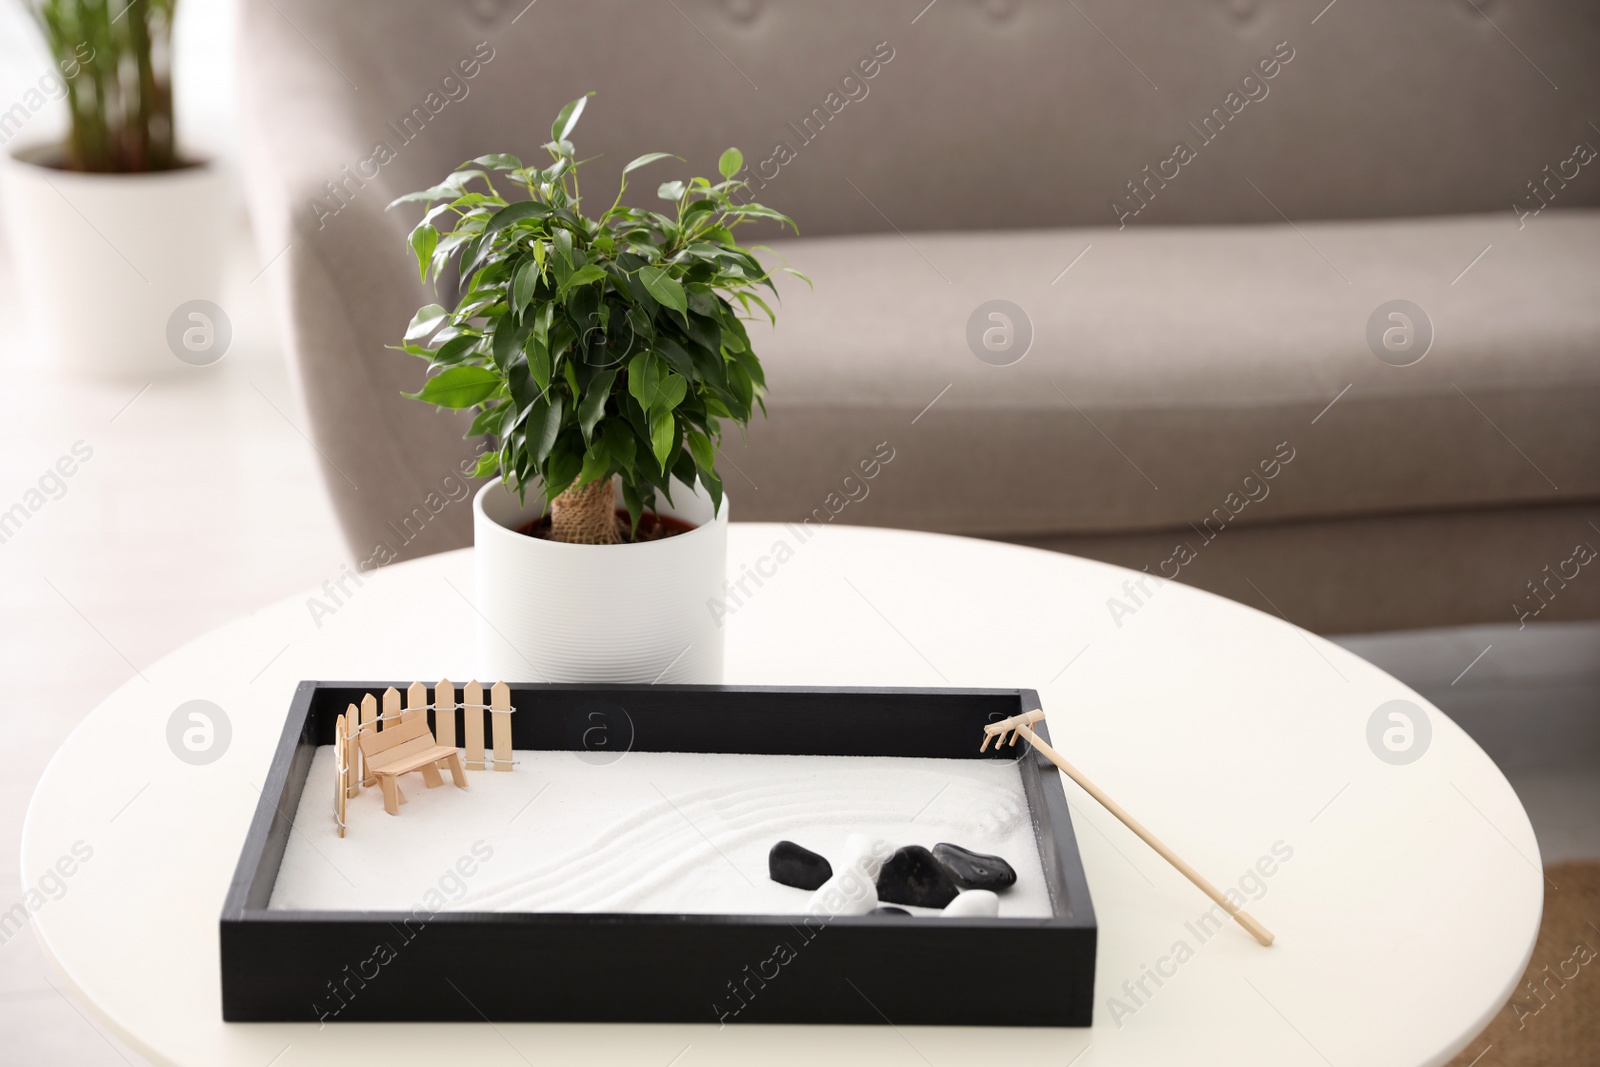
1019,725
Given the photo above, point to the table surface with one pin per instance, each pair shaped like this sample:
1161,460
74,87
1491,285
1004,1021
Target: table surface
1405,910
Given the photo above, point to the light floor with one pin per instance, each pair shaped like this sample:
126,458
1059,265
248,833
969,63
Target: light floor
202,501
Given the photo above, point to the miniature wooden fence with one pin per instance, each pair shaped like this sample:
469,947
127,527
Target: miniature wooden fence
350,771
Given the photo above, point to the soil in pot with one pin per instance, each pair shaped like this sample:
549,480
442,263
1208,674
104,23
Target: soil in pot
652,527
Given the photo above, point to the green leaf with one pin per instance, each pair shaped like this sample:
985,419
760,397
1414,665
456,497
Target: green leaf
672,191
700,249
670,350
458,387
647,158
750,364
449,189
424,239
594,402
538,352
644,378
520,384
704,331
683,467
425,321
563,242
544,423
704,453
499,161
523,282
490,419
730,162
523,209
713,486
509,336
671,393
583,276
620,442
488,463
635,503
663,435
596,464
756,211
538,347
567,120
453,350
751,297
664,288
560,472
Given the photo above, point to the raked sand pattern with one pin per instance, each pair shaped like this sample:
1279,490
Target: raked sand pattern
654,832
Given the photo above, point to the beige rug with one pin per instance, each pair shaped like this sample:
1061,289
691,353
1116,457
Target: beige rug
1553,1020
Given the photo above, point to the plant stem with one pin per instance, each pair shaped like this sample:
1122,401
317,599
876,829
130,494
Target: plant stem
121,111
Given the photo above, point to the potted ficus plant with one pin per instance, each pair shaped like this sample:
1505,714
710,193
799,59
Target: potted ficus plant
114,227
603,355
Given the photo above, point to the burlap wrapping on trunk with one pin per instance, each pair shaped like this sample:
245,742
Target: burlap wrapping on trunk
586,516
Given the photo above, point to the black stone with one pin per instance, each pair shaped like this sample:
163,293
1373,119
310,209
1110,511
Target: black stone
974,870
789,864
913,876
892,911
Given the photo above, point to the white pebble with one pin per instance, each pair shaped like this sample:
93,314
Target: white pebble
867,852
848,892
973,902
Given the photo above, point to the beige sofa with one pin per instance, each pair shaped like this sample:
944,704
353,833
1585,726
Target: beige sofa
1201,211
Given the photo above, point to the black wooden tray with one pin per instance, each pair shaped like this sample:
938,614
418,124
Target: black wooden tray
289,966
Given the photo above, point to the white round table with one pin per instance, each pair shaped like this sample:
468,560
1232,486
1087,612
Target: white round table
1405,896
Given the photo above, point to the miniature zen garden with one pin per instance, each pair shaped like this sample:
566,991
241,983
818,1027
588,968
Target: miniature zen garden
646,832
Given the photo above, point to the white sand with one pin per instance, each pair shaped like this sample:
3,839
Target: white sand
655,832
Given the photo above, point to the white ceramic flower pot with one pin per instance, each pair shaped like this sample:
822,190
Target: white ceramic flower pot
598,613
102,261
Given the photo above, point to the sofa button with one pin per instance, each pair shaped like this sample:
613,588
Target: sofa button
487,11
999,10
742,10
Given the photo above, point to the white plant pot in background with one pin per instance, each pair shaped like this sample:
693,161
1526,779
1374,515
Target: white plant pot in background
555,612
102,261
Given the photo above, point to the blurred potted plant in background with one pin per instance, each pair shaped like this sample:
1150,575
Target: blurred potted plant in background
114,209
602,354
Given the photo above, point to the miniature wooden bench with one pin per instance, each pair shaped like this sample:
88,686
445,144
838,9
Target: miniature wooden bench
407,746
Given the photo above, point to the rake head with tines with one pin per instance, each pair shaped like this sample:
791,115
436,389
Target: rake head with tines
1019,724
998,730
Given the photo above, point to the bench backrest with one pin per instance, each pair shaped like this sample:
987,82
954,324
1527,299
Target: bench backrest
396,741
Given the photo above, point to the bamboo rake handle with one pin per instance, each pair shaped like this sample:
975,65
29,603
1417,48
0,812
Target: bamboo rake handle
1240,916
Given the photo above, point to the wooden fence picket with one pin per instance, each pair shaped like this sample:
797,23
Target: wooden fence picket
341,772
472,718
391,709
500,716
350,752
444,713
416,702
369,721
